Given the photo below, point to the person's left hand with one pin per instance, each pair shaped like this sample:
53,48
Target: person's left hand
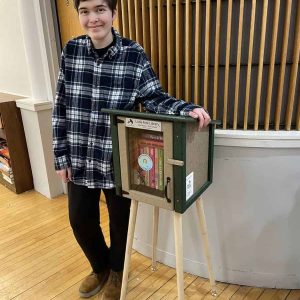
202,115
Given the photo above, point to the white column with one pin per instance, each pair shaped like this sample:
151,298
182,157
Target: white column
39,42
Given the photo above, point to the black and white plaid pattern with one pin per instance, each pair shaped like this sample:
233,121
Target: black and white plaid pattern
86,84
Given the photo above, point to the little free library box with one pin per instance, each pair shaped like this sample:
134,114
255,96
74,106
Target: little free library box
162,160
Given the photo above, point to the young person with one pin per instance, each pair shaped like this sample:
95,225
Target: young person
101,70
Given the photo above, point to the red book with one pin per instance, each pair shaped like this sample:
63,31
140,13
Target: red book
152,170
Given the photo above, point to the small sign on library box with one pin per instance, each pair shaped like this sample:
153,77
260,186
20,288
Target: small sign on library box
143,124
189,185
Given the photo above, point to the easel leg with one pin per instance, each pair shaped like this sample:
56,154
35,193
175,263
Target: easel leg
154,236
179,254
130,235
203,231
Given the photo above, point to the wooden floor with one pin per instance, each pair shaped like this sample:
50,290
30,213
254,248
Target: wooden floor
39,259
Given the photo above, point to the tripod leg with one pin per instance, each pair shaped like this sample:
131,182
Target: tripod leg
203,231
154,236
179,254
130,235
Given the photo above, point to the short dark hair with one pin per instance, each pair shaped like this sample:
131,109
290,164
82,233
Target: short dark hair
112,4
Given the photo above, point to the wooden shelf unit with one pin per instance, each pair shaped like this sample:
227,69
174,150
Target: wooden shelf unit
13,132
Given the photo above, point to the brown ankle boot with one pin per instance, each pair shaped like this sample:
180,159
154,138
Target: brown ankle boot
112,289
93,283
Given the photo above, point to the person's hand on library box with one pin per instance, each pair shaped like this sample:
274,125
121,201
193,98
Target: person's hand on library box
65,174
202,115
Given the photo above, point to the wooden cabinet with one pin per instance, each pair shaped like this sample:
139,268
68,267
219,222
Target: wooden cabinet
17,176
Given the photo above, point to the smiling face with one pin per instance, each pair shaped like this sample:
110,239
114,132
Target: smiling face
96,19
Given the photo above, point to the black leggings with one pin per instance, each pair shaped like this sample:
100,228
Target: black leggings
85,221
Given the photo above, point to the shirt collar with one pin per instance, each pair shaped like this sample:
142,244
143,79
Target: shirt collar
112,51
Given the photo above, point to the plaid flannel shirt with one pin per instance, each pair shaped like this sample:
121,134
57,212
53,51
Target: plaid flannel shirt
86,84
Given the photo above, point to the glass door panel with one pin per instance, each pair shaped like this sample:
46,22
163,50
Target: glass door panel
146,161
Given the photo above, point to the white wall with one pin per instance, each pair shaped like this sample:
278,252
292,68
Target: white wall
14,77
28,67
252,211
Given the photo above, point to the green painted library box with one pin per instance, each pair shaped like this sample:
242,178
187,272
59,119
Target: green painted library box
162,160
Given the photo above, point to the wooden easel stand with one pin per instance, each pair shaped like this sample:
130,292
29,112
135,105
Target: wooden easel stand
178,246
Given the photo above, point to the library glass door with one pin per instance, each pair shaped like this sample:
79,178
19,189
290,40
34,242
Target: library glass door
146,175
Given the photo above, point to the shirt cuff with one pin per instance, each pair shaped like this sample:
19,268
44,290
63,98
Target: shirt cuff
185,111
62,162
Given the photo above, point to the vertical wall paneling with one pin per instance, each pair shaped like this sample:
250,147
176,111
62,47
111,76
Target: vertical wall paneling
293,77
261,61
178,50
119,19
131,17
170,43
138,22
261,39
226,80
197,52
125,22
146,31
286,29
272,64
188,46
162,62
206,59
68,21
238,65
249,65
216,69
153,34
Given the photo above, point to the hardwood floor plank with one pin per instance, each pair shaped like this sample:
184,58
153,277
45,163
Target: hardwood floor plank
138,282
254,293
17,282
293,295
20,243
164,289
40,259
281,294
31,253
192,289
267,295
152,283
220,288
172,293
70,273
273,294
228,292
241,293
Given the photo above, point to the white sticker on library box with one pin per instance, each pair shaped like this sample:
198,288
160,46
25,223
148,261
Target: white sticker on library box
145,162
189,185
143,124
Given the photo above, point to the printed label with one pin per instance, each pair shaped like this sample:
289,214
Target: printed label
143,124
189,185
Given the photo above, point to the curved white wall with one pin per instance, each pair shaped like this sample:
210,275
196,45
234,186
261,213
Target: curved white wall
14,77
252,212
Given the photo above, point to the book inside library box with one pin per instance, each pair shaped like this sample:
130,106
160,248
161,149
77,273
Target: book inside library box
146,160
